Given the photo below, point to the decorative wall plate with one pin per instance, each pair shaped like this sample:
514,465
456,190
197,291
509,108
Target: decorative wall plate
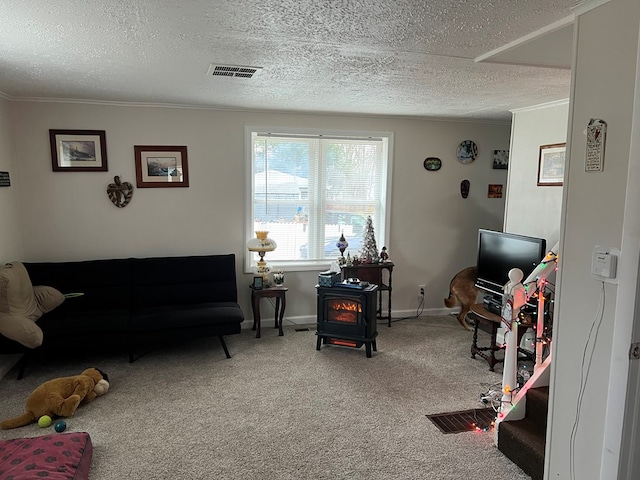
432,164
467,152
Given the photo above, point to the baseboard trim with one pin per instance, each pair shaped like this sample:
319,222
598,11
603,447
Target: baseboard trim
395,314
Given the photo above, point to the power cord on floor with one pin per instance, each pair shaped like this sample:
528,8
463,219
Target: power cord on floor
492,396
419,311
420,308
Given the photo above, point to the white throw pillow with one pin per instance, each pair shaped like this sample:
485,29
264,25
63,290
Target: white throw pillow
21,305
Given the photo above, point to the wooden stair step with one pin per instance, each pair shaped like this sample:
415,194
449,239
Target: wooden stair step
538,405
523,442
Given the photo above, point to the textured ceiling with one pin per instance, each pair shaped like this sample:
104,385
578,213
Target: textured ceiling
387,57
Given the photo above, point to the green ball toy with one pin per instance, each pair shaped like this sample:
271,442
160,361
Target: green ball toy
44,421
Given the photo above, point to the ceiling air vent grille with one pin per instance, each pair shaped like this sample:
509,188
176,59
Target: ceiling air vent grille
233,71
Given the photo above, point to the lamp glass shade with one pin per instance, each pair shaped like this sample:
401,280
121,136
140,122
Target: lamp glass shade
342,244
261,243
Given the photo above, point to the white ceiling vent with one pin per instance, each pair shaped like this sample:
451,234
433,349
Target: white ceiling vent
233,71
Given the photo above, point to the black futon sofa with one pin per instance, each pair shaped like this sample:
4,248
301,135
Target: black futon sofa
136,301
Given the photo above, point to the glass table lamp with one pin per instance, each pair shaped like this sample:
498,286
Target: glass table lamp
262,244
342,245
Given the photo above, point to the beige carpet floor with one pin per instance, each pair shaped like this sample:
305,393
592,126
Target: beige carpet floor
279,409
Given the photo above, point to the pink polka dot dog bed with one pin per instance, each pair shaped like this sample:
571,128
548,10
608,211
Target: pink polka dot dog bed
60,456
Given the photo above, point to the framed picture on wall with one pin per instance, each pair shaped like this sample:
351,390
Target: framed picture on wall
551,164
495,190
78,150
501,159
161,166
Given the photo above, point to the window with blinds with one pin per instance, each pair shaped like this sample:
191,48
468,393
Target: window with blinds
307,189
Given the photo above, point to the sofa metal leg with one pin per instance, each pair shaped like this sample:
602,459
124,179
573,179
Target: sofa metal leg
22,365
130,345
224,346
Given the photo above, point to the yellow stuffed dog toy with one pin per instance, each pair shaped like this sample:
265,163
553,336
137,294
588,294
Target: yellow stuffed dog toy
61,397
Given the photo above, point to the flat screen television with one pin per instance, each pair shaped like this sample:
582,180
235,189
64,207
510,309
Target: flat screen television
499,252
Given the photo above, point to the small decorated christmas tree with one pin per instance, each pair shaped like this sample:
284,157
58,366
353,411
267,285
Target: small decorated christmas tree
369,250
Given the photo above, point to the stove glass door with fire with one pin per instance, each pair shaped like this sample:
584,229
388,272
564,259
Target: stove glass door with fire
347,316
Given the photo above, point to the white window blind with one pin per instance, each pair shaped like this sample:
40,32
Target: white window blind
307,189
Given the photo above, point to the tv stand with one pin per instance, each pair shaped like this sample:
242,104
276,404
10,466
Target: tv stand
492,303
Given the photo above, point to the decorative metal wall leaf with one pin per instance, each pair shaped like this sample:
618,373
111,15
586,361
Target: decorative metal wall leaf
119,192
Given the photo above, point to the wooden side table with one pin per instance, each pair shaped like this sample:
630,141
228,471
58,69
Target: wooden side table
488,322
481,318
374,273
279,293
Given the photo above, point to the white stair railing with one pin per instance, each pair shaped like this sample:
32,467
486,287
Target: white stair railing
516,294
513,298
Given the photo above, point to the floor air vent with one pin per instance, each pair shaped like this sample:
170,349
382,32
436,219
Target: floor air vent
233,71
464,421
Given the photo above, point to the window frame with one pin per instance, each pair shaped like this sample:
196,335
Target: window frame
385,193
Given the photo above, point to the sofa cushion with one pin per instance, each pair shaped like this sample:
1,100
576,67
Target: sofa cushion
188,280
21,305
61,323
101,283
186,316
58,456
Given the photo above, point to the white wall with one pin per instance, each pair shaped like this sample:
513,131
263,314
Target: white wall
603,87
530,209
67,216
10,228
10,233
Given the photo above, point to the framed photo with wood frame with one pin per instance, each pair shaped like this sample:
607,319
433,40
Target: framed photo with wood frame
551,164
159,166
78,150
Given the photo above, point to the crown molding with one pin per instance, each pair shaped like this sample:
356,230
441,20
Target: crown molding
586,6
541,106
557,25
492,121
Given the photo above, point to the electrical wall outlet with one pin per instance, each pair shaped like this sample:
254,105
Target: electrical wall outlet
421,290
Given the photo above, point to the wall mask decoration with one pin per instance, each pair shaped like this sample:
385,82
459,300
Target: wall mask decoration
119,192
465,185
467,152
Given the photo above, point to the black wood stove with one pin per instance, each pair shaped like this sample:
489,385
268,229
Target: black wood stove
347,316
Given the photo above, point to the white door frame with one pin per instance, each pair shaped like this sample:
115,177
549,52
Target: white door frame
626,465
